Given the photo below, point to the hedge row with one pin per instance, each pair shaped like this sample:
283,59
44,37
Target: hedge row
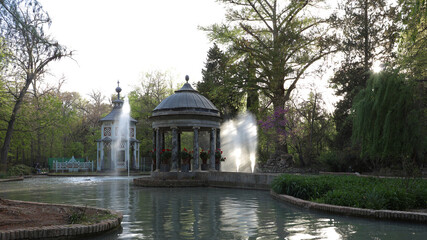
353,191
19,170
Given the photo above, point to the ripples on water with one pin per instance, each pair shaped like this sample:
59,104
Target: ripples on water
202,213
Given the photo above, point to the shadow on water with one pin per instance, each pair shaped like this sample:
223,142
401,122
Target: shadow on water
202,213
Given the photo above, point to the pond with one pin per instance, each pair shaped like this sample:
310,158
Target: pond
202,213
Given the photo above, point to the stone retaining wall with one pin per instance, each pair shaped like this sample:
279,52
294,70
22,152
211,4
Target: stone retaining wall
359,212
261,181
62,231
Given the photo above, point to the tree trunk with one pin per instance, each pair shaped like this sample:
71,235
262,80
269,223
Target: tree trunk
280,146
17,154
11,123
39,151
32,152
313,114
366,38
252,103
23,152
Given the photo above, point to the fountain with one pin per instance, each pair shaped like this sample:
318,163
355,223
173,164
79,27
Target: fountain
239,141
124,139
118,132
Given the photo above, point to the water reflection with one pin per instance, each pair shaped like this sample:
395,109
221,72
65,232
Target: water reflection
202,213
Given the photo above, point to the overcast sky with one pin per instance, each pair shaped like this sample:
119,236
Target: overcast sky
119,40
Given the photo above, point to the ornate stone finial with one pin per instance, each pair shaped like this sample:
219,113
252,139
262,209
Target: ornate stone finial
118,90
187,78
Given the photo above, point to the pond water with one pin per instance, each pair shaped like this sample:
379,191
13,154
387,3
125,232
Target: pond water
202,213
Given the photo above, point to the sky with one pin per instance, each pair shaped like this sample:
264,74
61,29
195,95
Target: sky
121,40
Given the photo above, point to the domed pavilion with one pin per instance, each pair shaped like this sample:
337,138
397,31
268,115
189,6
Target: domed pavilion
185,111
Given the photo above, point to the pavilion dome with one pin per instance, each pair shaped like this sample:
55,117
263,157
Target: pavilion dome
186,101
114,115
186,109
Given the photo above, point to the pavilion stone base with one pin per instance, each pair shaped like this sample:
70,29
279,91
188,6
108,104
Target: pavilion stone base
259,181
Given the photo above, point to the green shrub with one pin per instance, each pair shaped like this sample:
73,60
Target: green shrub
309,187
353,191
19,170
340,197
331,160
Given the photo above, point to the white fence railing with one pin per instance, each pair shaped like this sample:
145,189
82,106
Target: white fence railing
73,166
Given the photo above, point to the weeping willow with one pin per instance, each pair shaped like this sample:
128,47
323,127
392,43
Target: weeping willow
387,122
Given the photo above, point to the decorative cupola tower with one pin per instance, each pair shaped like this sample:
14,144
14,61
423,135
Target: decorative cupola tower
118,147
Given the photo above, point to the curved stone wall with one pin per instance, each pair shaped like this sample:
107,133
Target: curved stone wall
262,181
62,231
359,212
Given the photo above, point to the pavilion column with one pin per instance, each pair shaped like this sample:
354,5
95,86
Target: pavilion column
218,138
196,149
134,162
162,140
101,161
179,149
137,156
112,156
98,156
153,166
157,149
212,149
218,144
174,165
127,157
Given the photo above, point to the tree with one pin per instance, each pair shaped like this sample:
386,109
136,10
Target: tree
305,126
387,122
368,34
347,82
30,50
413,43
315,125
281,39
218,84
154,87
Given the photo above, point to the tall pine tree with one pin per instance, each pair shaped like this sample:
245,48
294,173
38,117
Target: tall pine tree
369,32
218,84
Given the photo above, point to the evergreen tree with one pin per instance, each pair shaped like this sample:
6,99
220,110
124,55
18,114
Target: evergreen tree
413,42
247,74
218,84
369,33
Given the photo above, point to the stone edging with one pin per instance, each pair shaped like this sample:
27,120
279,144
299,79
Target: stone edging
12,179
149,182
359,212
207,179
62,231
